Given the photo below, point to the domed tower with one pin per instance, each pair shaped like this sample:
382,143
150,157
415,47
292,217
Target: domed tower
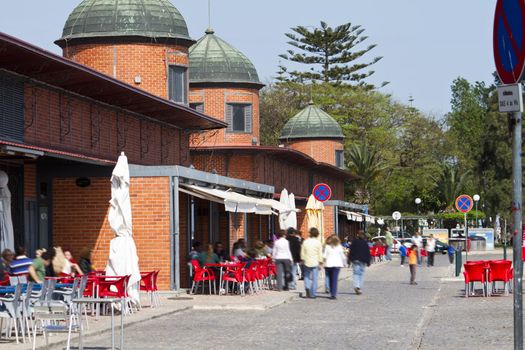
141,42
224,84
314,132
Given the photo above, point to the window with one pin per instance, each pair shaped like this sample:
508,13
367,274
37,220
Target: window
178,84
12,107
239,117
340,159
198,106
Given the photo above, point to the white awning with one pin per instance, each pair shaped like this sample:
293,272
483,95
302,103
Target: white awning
233,202
358,217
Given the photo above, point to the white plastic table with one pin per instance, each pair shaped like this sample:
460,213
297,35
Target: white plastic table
107,301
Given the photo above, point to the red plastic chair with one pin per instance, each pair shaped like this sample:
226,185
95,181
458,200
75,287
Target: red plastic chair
475,272
500,271
235,274
5,282
147,285
120,283
201,274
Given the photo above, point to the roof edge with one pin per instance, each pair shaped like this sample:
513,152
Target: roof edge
104,38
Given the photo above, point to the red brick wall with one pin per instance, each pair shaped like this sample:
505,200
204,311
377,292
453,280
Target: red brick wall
215,100
29,181
147,60
65,122
320,150
80,219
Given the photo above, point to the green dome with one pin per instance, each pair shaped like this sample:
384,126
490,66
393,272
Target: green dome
311,123
146,19
213,60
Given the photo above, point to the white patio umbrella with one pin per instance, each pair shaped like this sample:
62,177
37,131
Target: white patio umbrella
123,259
293,211
7,239
314,213
288,215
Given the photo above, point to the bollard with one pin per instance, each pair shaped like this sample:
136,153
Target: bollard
458,261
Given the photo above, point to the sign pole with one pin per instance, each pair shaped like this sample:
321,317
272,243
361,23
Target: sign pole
466,238
517,231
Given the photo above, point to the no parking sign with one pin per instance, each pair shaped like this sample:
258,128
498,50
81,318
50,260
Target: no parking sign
322,192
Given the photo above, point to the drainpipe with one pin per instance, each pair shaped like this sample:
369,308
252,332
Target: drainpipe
174,234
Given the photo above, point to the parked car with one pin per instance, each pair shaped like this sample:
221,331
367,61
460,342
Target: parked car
401,241
440,246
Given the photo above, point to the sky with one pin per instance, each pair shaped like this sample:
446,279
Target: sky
425,44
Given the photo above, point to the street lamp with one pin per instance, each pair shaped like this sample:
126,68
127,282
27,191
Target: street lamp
476,200
418,203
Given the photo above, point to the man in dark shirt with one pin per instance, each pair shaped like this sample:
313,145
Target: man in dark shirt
359,257
221,252
295,248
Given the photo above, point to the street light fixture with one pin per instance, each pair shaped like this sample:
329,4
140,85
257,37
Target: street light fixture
476,200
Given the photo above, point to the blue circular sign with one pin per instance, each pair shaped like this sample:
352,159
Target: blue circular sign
509,40
464,203
322,192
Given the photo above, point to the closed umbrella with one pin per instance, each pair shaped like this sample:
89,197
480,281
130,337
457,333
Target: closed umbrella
283,215
123,259
7,239
292,217
314,213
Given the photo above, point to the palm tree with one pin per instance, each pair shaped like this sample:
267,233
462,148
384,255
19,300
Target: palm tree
450,183
366,164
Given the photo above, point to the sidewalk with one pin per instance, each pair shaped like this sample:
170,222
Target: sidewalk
174,303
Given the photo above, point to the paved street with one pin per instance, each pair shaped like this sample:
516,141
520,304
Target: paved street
390,314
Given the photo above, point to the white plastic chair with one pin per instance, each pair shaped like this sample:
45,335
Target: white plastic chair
13,313
55,318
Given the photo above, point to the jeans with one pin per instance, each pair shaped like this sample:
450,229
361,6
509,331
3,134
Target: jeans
359,273
326,282
430,259
403,259
293,280
284,267
419,259
389,252
310,279
413,269
332,275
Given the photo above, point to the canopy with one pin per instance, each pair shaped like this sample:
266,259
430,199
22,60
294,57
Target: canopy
7,240
288,212
123,258
314,213
360,217
234,202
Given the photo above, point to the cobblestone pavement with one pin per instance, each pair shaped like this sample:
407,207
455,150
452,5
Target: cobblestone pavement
391,314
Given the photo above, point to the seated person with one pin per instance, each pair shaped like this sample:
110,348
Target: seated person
37,271
20,265
221,252
85,260
72,267
208,257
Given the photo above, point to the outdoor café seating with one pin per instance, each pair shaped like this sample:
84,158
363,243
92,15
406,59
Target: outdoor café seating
487,272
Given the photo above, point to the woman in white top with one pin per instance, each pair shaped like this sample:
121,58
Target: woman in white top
431,250
282,258
334,259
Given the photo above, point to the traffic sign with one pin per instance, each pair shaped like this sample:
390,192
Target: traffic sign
396,215
510,98
464,203
322,192
509,40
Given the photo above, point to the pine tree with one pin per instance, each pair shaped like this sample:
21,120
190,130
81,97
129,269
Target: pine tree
331,53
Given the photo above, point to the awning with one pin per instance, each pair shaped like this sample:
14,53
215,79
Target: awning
358,217
234,202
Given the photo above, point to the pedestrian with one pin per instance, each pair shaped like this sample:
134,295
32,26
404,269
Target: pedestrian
312,258
418,240
402,254
334,259
283,261
360,258
295,248
431,250
412,263
389,240
450,252
20,265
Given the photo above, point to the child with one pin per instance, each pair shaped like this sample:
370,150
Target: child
412,263
403,254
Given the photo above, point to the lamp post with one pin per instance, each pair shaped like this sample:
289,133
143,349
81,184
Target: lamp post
418,203
476,200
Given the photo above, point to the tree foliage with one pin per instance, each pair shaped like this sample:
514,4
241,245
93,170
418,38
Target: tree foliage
332,55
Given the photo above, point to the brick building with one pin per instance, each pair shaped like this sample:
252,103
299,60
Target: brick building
129,75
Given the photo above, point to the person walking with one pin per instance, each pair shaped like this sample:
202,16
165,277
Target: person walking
334,259
360,258
431,250
403,254
283,261
295,248
418,241
450,252
412,263
389,240
312,257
